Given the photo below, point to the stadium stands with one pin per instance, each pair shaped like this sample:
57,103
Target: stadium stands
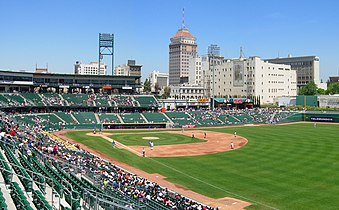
180,118
33,98
52,99
78,100
85,117
109,118
146,101
206,118
132,118
61,167
155,117
122,101
66,117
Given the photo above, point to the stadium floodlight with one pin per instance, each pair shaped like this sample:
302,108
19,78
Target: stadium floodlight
106,47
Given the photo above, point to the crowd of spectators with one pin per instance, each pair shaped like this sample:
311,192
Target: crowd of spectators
126,101
52,100
242,116
110,176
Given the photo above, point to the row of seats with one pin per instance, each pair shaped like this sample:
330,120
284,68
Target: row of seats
198,118
23,175
40,202
3,205
18,196
76,100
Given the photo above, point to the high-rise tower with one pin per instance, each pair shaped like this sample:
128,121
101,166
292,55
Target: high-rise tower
182,47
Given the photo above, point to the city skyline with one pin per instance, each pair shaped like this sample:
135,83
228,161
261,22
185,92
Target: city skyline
61,33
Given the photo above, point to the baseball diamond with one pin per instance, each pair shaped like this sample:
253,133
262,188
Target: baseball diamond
271,171
106,151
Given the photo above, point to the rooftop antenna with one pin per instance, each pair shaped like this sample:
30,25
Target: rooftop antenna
183,18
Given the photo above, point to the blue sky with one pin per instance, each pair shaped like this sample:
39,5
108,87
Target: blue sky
64,31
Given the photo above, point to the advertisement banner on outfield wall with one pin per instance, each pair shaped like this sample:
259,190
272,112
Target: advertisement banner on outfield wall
321,119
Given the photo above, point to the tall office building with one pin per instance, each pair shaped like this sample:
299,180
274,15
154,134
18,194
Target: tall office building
307,68
182,47
129,69
250,77
161,79
89,69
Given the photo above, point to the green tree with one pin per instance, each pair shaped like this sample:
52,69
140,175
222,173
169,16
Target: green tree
310,89
321,91
333,88
167,92
147,86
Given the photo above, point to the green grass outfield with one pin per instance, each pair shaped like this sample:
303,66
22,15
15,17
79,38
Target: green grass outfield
285,167
164,139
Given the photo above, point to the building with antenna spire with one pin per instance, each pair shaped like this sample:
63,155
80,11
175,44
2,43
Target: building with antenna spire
182,47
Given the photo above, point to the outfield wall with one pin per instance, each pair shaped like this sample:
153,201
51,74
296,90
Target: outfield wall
313,117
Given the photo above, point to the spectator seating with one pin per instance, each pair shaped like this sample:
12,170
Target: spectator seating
78,100
244,118
3,205
85,117
132,118
122,101
146,101
33,98
67,117
155,117
15,100
52,99
108,118
180,118
206,118
19,197
228,119
101,100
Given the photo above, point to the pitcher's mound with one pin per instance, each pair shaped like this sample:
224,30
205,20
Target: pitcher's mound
150,138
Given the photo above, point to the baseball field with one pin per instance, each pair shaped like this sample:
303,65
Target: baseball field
292,166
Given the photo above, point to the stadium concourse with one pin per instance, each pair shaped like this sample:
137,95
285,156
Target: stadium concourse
42,171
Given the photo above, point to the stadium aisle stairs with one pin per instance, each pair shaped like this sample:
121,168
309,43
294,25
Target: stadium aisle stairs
42,100
113,103
30,196
23,98
118,115
4,189
273,115
17,180
60,118
63,201
137,103
236,118
169,119
196,121
97,118
143,117
62,98
75,119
